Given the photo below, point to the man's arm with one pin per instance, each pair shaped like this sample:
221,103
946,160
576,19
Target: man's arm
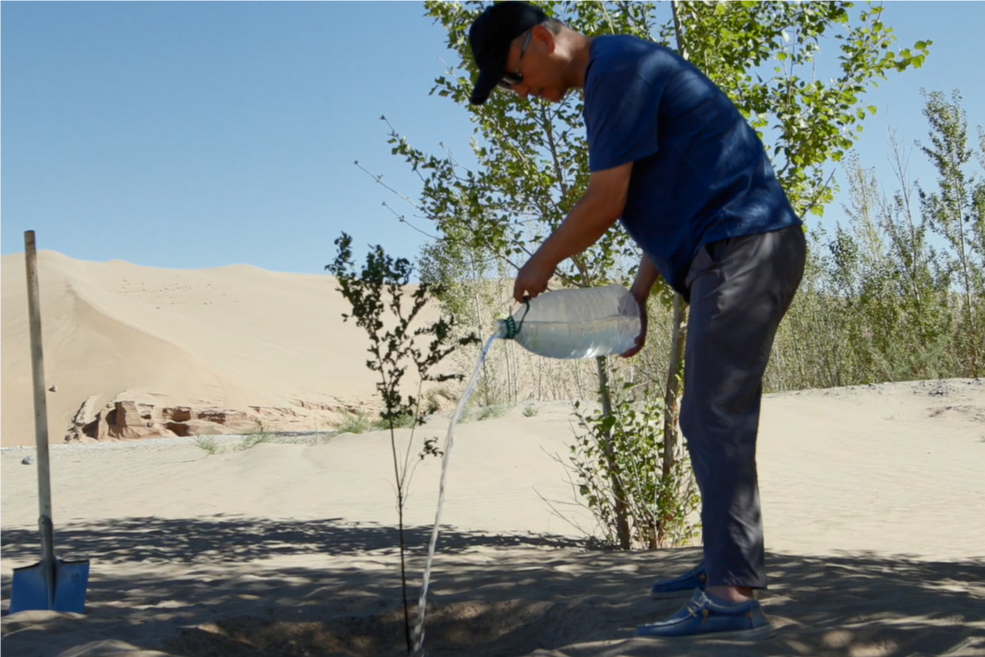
646,276
596,212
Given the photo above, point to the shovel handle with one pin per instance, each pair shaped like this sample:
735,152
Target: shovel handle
37,368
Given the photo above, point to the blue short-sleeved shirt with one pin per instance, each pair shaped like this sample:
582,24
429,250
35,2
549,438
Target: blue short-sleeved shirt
700,172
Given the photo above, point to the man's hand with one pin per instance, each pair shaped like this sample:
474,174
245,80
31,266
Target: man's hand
641,338
533,277
646,276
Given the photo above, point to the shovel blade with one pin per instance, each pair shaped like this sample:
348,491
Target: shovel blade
29,590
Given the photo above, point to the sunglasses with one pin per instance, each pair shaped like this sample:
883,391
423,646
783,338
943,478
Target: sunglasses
510,80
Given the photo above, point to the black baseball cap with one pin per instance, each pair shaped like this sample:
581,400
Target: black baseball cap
490,37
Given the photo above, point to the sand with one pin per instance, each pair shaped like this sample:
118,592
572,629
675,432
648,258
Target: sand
230,338
873,498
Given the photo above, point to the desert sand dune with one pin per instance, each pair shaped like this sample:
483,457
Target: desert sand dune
227,338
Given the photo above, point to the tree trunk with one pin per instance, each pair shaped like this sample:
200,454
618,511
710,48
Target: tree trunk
618,494
676,361
672,409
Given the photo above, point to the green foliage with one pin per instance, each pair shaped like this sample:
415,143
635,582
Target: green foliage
357,422
434,396
376,294
488,412
530,410
615,459
532,164
208,444
406,421
461,272
258,436
532,156
957,212
764,56
377,291
879,301
900,318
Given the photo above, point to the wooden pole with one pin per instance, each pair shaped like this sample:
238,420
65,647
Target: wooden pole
40,415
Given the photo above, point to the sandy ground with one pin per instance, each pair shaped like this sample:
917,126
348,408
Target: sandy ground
873,499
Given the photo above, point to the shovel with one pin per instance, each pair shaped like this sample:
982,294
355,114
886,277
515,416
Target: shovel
52,584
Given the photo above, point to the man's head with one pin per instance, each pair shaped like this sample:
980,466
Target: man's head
512,43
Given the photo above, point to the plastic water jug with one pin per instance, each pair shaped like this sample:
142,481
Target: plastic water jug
583,323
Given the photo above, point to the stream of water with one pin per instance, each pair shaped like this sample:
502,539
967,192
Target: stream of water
449,440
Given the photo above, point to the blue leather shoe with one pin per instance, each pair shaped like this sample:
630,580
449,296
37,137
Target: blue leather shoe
675,588
703,617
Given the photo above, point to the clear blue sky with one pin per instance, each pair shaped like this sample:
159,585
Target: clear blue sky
192,135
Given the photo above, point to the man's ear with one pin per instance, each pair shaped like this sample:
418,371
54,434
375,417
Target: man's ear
545,36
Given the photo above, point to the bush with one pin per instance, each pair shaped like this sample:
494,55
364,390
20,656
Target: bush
660,508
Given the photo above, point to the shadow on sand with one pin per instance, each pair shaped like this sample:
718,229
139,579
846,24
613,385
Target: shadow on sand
230,586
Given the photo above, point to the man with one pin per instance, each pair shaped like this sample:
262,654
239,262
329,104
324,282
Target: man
673,159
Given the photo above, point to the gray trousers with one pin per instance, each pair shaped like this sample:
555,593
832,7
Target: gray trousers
740,288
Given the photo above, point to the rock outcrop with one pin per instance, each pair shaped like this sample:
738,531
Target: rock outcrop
85,415
131,419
